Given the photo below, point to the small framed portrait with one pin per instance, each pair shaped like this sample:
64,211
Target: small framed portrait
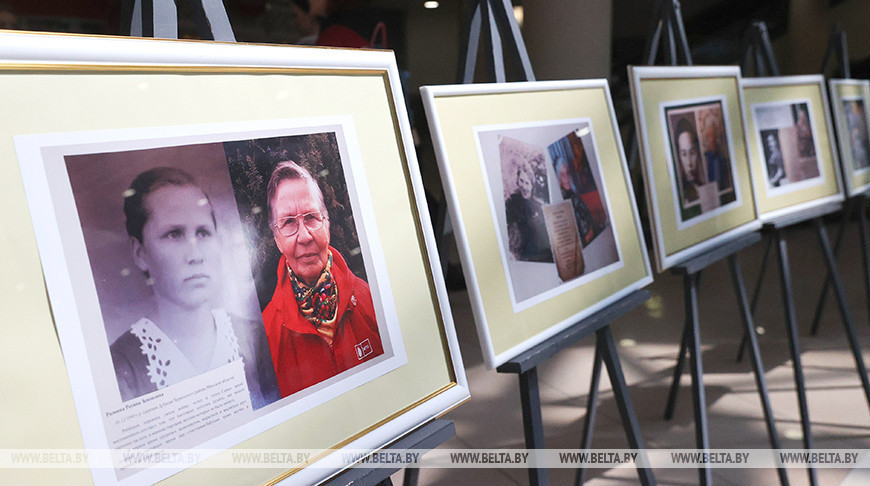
690,128
791,144
200,271
541,205
850,99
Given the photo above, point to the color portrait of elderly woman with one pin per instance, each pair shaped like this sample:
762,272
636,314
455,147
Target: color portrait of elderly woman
321,320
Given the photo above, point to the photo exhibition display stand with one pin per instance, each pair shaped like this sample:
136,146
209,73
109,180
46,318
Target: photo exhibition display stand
158,18
773,230
837,45
667,31
492,22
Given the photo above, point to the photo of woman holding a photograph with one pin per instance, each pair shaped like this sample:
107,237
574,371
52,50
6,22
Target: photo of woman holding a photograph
785,136
174,242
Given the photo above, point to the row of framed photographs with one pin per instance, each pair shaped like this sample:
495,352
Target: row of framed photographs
541,199
539,192
722,154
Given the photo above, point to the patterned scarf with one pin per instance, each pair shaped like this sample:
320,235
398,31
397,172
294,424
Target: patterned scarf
319,302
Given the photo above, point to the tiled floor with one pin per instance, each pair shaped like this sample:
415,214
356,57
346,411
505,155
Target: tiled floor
648,340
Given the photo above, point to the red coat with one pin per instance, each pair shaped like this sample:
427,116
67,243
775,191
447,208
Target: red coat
300,354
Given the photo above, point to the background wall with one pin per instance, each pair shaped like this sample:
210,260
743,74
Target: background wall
567,39
810,21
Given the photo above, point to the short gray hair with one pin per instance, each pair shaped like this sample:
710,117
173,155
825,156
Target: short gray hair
289,170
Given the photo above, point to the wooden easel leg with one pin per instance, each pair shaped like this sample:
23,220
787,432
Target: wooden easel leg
604,343
756,294
794,348
702,440
755,354
591,409
844,307
820,306
533,424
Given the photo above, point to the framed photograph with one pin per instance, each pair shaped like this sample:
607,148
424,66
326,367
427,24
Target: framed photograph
851,100
541,205
236,252
790,140
690,129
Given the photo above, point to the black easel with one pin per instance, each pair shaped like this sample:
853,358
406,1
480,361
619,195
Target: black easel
758,55
526,367
492,21
691,273
774,231
667,22
837,45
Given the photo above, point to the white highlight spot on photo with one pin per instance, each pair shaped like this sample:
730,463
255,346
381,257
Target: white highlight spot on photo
128,193
125,272
256,210
202,202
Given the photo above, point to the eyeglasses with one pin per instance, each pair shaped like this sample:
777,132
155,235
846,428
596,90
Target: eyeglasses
289,226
